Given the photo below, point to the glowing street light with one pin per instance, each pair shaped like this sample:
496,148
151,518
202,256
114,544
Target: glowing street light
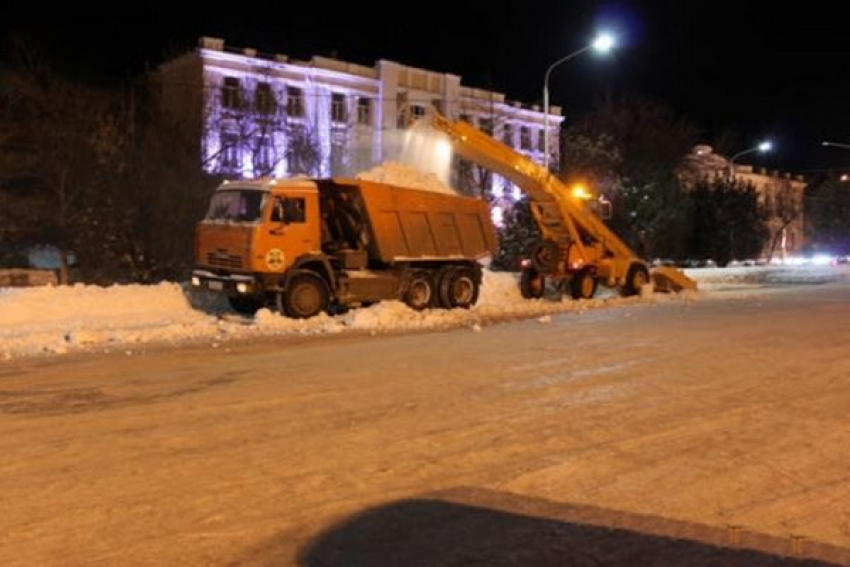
603,43
581,193
836,144
762,147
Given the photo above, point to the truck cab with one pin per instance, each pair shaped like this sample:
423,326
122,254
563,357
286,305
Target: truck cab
252,234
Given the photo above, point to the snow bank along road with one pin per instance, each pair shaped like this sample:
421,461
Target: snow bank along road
129,318
682,425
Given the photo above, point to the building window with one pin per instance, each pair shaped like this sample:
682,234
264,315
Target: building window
263,157
264,100
231,93
486,125
337,158
508,135
524,138
294,102
338,108
364,111
541,140
466,118
230,161
417,111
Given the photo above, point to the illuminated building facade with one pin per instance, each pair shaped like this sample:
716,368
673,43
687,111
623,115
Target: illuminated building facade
259,115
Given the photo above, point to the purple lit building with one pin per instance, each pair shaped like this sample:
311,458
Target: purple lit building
268,115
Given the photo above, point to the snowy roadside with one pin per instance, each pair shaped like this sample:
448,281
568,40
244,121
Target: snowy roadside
48,320
39,321
752,277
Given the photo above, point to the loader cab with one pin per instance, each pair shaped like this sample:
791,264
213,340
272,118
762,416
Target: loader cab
603,208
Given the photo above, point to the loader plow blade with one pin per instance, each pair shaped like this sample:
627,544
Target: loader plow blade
667,279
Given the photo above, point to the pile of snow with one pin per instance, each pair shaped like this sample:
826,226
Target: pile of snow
58,320
749,277
395,173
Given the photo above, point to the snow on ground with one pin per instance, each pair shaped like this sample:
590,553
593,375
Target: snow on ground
406,176
62,320
749,277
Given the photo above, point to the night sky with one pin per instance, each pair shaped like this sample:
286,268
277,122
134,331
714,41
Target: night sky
756,69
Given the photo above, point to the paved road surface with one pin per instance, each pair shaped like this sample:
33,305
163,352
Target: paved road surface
720,421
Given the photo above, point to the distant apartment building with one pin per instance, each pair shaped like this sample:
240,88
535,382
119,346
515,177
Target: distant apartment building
268,115
782,194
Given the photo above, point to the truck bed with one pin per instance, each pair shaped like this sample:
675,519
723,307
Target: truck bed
416,225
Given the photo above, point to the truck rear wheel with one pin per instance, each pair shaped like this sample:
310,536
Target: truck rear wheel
419,291
532,284
306,296
636,278
458,288
583,285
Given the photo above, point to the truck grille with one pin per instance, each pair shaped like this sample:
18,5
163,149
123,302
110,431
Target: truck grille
221,259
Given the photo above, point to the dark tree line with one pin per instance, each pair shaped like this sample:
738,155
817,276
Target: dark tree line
99,171
827,208
631,151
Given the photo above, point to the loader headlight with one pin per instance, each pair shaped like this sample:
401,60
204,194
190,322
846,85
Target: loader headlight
196,281
242,287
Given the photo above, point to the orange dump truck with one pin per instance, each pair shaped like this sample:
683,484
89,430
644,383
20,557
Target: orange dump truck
304,245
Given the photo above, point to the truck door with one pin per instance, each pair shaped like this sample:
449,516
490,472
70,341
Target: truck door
293,229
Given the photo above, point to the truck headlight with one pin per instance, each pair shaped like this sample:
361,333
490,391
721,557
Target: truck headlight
196,281
242,287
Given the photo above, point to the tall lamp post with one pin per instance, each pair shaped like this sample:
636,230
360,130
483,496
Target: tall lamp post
603,44
836,144
763,147
843,177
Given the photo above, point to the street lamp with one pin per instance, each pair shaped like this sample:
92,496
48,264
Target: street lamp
763,147
844,178
603,43
836,144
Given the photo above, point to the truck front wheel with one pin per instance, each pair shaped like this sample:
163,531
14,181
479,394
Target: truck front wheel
306,296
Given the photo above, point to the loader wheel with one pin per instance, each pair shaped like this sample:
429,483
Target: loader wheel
419,291
636,278
532,284
306,296
583,285
546,256
458,288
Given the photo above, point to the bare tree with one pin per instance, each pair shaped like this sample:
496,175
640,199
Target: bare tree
785,206
64,134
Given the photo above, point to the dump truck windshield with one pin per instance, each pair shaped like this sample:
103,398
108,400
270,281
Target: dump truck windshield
237,205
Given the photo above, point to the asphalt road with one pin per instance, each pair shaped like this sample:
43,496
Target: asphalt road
654,432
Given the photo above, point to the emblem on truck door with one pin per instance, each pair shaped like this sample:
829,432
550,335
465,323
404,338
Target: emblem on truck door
275,259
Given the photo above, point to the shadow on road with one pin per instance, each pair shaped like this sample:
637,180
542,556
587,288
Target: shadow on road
485,528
